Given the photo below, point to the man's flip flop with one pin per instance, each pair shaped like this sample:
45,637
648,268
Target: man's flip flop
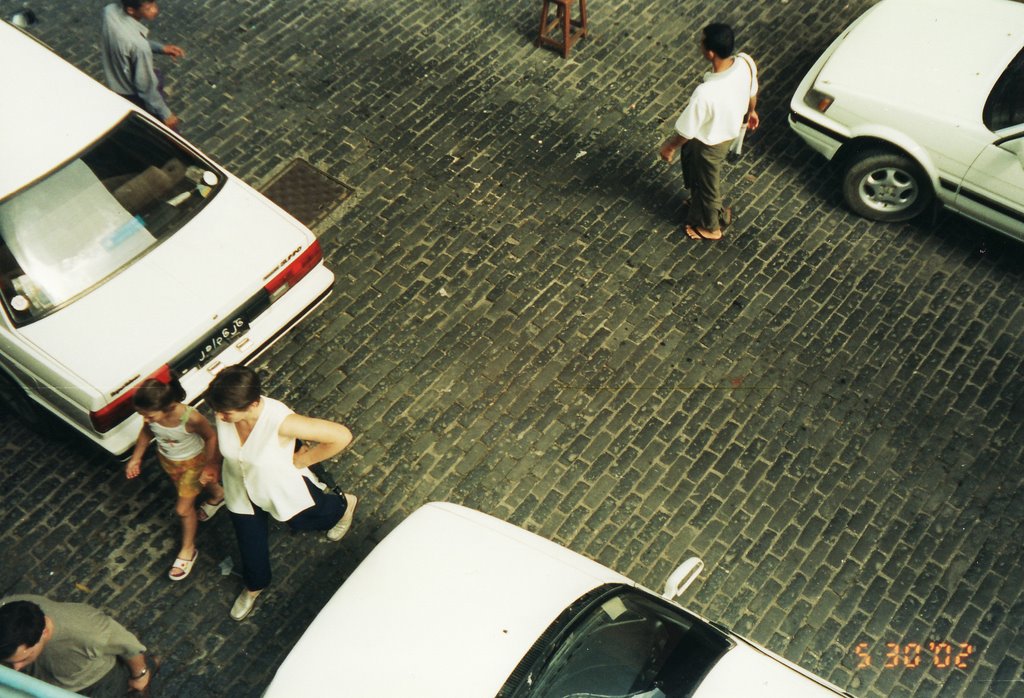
701,234
208,509
726,217
184,565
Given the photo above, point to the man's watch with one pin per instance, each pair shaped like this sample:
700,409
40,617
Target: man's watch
142,673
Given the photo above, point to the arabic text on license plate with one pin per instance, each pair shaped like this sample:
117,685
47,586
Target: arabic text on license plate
222,339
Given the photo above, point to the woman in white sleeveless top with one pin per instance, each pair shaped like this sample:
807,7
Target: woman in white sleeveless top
265,476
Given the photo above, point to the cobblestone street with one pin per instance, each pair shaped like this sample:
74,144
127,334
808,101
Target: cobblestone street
828,411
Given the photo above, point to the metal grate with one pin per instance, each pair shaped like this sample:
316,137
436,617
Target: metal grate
306,193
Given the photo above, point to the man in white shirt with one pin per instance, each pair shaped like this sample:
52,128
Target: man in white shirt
722,105
127,55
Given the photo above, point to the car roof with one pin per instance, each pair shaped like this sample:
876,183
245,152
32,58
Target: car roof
939,56
52,111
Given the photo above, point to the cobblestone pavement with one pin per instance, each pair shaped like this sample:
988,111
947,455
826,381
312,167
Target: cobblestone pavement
826,410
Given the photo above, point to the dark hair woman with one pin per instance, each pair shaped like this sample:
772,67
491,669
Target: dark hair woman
265,476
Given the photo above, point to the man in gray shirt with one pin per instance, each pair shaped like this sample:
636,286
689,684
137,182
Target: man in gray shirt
71,645
127,53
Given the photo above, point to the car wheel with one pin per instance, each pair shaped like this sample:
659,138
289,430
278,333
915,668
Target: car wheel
885,186
15,402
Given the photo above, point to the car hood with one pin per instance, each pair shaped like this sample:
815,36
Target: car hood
941,57
172,296
747,671
445,606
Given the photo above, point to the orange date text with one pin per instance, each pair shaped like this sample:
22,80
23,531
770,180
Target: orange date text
915,655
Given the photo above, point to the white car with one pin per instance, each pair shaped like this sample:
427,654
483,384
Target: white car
126,253
456,604
923,100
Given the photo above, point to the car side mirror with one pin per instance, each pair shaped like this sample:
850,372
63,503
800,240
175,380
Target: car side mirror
24,18
682,577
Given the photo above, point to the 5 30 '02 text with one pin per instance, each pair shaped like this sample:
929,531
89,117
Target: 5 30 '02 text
911,655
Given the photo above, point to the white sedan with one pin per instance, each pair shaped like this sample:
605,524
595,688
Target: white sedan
921,100
126,253
455,603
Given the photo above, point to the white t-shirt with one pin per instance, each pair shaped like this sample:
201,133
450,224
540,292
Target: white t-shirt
716,109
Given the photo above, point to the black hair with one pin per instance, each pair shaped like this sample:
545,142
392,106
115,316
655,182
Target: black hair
134,4
21,623
719,38
156,396
234,388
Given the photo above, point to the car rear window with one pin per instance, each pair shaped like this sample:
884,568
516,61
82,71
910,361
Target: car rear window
1005,105
95,215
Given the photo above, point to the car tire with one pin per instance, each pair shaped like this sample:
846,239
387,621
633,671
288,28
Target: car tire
15,402
885,186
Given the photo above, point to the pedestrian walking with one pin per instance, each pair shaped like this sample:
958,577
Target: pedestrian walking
719,108
73,646
127,55
187,450
265,475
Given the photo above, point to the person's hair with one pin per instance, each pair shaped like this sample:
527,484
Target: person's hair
156,396
720,39
134,4
21,623
234,388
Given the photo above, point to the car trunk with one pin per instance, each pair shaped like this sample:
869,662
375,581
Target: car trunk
171,297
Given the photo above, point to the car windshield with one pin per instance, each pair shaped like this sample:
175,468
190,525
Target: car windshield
94,215
629,645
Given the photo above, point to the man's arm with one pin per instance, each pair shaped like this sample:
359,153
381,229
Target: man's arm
140,674
108,637
693,115
753,120
670,146
171,50
147,87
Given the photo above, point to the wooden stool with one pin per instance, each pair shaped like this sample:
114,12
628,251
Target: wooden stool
570,30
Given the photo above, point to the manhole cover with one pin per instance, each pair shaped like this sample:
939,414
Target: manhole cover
306,192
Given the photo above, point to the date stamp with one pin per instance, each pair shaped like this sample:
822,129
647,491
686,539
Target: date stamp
916,655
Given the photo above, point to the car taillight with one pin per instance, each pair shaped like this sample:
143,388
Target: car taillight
106,418
291,275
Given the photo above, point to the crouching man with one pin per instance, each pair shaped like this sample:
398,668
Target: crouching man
72,645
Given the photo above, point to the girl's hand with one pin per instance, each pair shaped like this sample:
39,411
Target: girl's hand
132,468
209,474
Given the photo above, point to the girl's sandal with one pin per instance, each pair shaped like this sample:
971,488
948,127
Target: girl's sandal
208,509
182,565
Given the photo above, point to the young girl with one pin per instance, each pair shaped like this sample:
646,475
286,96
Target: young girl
187,450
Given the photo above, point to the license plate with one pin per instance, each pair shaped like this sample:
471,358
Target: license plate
221,340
